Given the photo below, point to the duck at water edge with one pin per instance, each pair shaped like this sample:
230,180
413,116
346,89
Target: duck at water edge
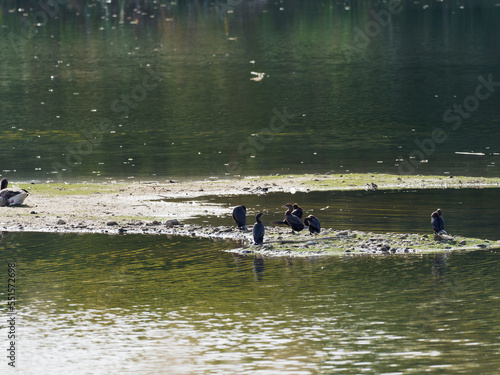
11,197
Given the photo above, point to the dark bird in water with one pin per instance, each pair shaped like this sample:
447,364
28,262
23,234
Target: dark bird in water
437,222
293,221
258,230
313,223
297,211
11,197
240,216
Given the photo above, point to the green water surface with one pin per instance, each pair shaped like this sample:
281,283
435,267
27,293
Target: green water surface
156,305
163,89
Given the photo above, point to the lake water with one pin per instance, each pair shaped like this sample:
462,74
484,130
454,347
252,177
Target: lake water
159,90
165,91
98,304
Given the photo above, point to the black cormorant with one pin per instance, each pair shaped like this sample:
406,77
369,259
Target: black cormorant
240,216
437,222
11,197
313,223
258,230
297,211
293,221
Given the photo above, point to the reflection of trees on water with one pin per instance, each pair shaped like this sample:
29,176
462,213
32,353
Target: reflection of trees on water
133,8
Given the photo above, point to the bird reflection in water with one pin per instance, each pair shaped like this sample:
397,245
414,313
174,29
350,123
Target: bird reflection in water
438,265
258,267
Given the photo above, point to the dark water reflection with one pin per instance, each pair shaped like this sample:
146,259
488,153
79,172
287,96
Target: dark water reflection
199,111
151,304
467,212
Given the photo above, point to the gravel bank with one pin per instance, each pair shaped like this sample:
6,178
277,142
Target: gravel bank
161,207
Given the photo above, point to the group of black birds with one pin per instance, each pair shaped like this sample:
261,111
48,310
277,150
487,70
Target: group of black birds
293,219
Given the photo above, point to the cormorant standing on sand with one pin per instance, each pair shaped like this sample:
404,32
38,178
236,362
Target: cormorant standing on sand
313,223
258,230
437,222
297,211
293,221
240,216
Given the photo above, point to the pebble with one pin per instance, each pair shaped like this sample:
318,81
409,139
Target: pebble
172,223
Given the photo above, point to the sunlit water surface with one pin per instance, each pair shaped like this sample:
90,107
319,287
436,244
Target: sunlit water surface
97,304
